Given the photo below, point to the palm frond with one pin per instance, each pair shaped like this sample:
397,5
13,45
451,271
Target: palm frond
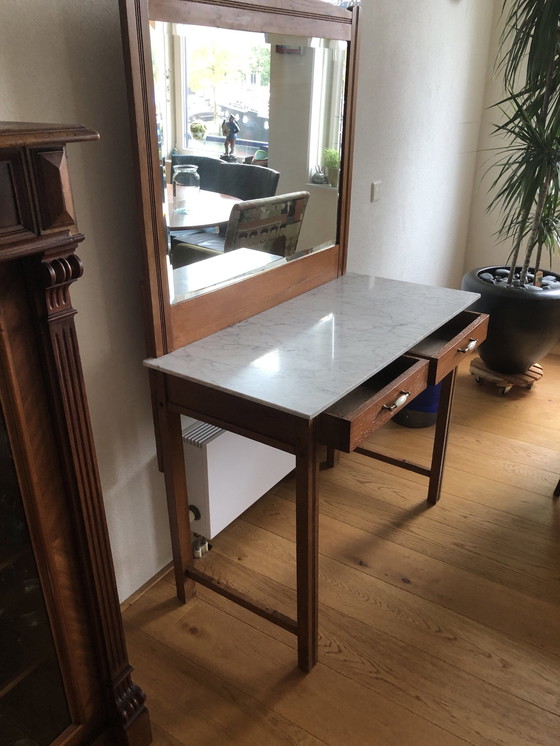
525,186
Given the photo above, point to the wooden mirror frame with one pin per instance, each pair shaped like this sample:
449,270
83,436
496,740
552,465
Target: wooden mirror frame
170,326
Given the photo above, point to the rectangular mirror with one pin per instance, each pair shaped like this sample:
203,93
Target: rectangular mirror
284,74
285,94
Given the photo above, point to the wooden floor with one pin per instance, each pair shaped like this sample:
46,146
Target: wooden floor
438,625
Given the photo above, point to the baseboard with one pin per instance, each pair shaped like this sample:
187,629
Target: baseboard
146,586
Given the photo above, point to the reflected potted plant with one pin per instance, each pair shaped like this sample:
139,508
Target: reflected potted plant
523,300
331,162
198,130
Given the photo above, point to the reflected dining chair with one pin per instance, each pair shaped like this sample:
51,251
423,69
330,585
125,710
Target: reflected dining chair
242,180
271,224
248,181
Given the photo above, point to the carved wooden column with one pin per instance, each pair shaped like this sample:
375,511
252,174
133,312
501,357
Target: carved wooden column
41,360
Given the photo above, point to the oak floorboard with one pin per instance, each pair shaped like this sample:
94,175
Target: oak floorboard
520,464
522,505
438,625
347,646
385,666
255,672
529,416
161,738
224,714
465,592
395,611
460,536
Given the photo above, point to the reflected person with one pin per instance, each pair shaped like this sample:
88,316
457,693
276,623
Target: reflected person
230,129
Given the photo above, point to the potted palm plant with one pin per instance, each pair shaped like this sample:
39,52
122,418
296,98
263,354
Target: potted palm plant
523,299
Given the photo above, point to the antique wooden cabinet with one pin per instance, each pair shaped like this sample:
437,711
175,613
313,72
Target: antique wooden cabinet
64,673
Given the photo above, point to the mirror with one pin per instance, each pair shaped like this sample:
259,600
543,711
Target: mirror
287,75
285,94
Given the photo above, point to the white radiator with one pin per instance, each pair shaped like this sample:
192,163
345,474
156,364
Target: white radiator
226,473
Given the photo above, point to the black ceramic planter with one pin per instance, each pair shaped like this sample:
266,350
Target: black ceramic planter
524,322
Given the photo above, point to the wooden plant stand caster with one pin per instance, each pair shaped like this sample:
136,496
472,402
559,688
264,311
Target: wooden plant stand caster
505,381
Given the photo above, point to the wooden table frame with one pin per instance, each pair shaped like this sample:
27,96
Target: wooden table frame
360,388
287,432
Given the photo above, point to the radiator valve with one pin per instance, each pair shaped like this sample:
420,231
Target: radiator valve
194,513
200,546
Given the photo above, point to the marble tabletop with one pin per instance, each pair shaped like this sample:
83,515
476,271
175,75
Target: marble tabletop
305,354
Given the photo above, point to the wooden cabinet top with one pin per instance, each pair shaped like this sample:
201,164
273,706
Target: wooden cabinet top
26,134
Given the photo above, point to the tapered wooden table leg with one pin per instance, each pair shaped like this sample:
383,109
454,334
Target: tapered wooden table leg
307,549
440,438
171,441
331,458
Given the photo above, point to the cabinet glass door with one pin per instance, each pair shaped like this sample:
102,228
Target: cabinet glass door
33,707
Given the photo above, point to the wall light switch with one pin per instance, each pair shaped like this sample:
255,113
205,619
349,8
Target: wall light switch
375,191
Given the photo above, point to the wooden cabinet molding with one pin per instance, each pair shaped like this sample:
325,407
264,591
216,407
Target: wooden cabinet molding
44,402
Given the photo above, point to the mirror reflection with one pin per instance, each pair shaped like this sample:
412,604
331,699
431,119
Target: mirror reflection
249,130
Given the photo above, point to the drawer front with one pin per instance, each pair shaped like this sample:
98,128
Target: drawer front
448,346
366,409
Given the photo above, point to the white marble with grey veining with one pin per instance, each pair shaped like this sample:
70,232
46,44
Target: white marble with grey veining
305,354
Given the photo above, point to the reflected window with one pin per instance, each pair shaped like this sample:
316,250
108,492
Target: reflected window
203,75
329,66
223,73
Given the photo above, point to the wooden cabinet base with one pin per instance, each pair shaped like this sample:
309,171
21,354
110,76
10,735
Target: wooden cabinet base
138,733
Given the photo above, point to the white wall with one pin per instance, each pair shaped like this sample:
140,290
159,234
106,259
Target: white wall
291,87
421,69
61,61
421,82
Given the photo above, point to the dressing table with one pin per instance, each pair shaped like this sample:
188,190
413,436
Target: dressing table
328,367
299,356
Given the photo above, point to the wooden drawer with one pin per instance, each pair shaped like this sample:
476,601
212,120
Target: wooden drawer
447,346
345,425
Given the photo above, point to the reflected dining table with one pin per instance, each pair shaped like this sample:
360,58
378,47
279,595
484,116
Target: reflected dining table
205,209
